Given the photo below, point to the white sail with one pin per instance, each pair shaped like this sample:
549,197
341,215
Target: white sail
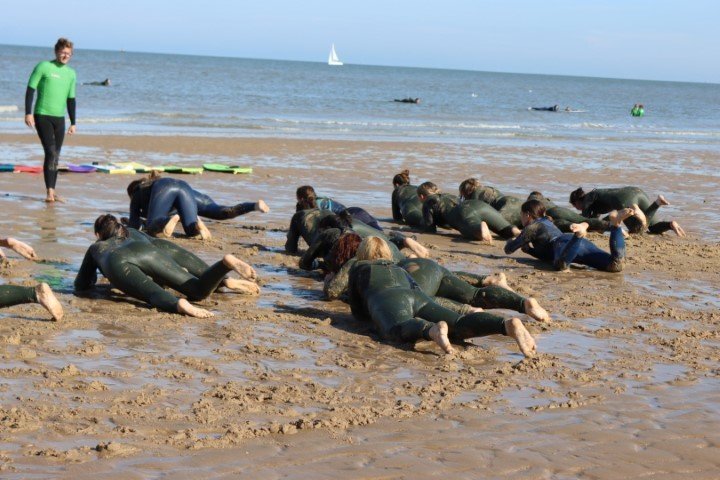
333,58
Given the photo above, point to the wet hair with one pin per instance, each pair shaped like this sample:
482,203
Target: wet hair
428,188
343,250
535,195
343,221
468,187
304,192
374,248
577,195
142,182
63,43
402,178
306,198
533,208
107,226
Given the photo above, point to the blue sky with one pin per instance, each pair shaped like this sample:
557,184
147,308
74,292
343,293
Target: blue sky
643,39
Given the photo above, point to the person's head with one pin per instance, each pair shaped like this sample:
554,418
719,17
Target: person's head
107,226
343,250
576,198
426,189
531,210
142,182
106,82
63,50
342,221
468,187
374,248
535,195
306,197
402,178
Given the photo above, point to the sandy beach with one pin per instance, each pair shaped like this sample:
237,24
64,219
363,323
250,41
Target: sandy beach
287,385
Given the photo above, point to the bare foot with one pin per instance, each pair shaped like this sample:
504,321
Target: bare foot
516,231
242,268
188,309
677,228
439,334
169,227
261,206
242,286
579,229
534,310
472,309
416,248
616,217
661,200
485,234
49,199
204,232
625,233
515,329
498,279
640,215
46,298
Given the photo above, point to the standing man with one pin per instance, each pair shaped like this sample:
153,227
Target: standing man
55,84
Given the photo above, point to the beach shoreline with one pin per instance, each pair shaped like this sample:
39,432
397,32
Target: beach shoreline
288,385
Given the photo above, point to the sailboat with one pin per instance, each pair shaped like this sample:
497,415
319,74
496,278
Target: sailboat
333,58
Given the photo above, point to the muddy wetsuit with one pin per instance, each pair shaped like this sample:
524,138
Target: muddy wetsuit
138,268
324,242
401,311
604,200
55,84
304,224
507,205
357,213
564,217
444,210
185,258
15,295
545,241
406,205
157,201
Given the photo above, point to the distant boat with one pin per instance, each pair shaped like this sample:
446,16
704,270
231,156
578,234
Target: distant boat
333,58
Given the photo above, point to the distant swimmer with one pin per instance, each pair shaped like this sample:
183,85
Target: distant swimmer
554,108
408,100
638,110
104,83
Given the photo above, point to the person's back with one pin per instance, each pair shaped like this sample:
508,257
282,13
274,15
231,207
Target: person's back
436,209
369,277
536,239
604,200
304,224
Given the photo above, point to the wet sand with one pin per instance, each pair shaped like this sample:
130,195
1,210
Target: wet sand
286,385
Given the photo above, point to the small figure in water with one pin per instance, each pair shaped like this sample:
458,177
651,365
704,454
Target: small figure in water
104,83
554,108
408,100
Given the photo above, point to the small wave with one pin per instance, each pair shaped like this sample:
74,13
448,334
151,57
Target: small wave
169,115
8,108
107,120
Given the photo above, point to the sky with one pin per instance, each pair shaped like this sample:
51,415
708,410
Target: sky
638,39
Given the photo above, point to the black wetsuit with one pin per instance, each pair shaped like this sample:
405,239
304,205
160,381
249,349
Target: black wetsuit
406,205
507,205
604,200
545,241
137,267
465,217
546,109
16,294
564,217
304,224
357,213
401,311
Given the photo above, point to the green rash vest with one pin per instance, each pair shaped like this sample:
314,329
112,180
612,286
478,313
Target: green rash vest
54,83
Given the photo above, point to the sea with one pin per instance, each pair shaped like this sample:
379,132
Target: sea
161,94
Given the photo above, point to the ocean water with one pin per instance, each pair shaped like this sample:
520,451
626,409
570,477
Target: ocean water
161,94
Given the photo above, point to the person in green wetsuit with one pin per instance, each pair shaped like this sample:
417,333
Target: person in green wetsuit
55,84
139,268
16,294
401,311
507,205
564,217
604,200
474,219
406,205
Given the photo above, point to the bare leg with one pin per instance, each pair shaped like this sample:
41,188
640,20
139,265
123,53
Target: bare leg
47,299
242,268
677,228
204,232
579,229
242,286
416,248
261,206
169,227
534,310
640,215
188,309
515,329
661,200
439,334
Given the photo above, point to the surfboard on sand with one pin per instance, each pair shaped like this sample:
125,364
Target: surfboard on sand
218,167
112,169
73,168
176,169
28,168
7,167
139,167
